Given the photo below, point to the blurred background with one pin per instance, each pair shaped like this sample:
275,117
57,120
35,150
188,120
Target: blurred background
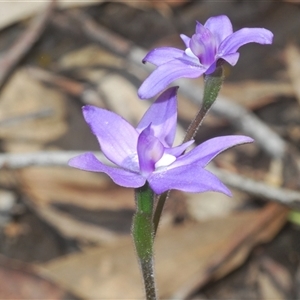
65,233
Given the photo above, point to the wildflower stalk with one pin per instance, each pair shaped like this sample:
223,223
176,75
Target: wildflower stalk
212,86
143,236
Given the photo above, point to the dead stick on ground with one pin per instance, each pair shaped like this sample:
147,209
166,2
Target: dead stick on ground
60,158
24,43
258,189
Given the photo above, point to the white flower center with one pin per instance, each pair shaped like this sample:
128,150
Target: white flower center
165,161
190,53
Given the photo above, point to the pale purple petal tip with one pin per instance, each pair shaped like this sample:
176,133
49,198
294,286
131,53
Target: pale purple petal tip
211,148
208,150
162,55
190,178
88,162
244,36
232,59
165,74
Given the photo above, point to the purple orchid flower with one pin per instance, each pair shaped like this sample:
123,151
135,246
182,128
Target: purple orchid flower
145,153
211,42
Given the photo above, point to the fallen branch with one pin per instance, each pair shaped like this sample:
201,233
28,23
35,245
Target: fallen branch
60,158
51,158
258,189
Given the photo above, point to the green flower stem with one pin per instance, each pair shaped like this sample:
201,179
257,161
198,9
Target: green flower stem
143,236
212,86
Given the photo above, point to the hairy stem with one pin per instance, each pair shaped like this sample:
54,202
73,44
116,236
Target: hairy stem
212,86
143,236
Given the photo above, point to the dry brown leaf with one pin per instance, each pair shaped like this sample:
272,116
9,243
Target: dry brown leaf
91,56
209,205
75,187
30,113
75,229
292,58
256,94
122,98
189,252
80,205
23,281
74,202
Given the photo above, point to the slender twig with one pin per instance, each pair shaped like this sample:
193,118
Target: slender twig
61,158
24,43
194,126
258,189
43,158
